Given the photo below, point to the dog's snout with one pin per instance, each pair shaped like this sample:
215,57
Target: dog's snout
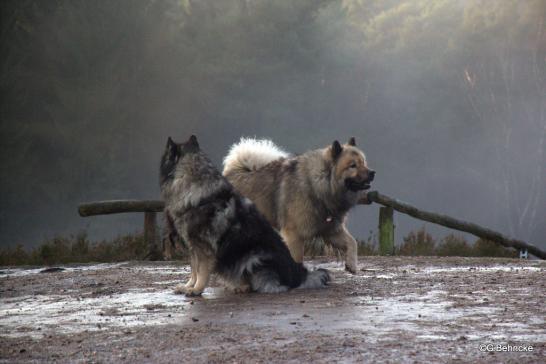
371,175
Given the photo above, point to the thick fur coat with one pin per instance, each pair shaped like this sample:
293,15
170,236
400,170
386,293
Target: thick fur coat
305,197
225,232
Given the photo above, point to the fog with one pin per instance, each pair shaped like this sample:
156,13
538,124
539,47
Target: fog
446,98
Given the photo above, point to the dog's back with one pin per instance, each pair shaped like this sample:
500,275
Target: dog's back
281,186
255,168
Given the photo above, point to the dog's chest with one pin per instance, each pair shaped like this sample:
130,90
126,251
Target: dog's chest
323,223
329,225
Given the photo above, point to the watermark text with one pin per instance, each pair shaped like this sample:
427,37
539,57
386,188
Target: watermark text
506,348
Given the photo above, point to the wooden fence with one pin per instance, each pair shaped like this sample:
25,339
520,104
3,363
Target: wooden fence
386,226
150,209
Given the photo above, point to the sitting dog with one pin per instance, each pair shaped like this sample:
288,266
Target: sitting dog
224,232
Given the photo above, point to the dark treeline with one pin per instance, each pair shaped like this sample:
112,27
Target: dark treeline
446,97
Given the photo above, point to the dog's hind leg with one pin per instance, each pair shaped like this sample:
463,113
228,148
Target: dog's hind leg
294,242
346,243
266,281
243,288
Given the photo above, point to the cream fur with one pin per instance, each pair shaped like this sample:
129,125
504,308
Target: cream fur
252,154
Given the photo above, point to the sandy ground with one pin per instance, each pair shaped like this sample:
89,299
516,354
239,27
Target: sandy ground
394,310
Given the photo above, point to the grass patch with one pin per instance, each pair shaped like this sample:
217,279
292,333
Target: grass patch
421,243
76,249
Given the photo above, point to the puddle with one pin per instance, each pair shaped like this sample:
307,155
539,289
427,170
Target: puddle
163,270
21,272
37,315
493,269
429,316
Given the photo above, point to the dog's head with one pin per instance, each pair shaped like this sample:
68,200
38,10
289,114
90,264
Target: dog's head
350,166
175,152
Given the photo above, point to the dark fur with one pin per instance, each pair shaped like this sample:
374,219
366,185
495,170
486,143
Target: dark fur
224,231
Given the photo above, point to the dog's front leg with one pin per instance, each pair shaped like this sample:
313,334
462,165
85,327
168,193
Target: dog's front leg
204,267
346,243
181,289
193,265
351,257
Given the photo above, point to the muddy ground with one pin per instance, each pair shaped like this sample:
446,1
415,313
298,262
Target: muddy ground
394,310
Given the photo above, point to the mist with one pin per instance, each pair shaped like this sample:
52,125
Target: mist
446,98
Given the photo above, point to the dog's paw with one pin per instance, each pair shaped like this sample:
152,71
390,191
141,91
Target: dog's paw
192,292
351,268
325,276
243,289
180,289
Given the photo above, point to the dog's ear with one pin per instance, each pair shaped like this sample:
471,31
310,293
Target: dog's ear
336,149
193,141
172,149
352,141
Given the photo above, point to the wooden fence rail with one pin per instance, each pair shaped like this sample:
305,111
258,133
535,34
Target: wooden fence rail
151,207
447,221
119,206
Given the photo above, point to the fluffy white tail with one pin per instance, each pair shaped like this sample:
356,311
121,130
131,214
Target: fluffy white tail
251,154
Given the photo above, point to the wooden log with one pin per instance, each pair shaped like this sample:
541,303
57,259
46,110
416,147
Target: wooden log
447,221
386,231
119,206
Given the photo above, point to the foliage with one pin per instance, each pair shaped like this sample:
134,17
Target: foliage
76,249
453,245
91,89
369,246
421,243
417,243
484,248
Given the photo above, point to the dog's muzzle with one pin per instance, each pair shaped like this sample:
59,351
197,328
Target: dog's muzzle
356,185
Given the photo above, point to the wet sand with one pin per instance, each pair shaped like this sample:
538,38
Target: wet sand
401,309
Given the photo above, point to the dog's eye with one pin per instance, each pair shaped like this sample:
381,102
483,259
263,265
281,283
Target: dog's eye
353,165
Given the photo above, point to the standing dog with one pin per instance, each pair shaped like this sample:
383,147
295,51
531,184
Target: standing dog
305,197
225,232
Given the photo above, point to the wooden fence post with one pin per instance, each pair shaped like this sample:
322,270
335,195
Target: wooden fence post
386,231
150,235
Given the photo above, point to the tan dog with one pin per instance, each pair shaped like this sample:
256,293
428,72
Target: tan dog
305,197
